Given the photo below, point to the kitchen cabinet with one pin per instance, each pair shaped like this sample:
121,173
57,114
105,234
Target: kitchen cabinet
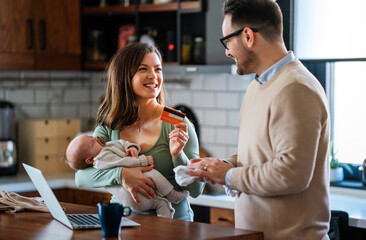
165,23
40,35
42,143
82,197
222,217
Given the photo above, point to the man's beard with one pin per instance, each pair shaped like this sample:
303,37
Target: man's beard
247,62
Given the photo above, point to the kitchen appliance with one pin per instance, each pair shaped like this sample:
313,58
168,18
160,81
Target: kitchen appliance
8,150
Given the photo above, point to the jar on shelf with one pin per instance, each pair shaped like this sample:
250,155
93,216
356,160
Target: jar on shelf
186,49
96,46
199,50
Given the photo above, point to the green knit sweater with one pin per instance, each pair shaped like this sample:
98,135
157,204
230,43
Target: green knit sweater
163,162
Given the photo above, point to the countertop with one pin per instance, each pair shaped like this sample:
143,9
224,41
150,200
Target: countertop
350,200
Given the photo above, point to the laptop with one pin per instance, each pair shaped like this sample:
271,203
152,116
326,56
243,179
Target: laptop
73,221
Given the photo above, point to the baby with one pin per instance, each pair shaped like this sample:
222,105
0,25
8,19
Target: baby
86,151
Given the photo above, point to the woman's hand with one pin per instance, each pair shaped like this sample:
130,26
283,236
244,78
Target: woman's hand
178,139
135,182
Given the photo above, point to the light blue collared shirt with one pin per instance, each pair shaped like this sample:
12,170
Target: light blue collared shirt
262,79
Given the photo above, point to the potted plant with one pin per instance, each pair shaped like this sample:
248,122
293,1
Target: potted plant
336,168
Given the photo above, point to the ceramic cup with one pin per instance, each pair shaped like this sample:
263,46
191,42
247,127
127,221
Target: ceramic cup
110,215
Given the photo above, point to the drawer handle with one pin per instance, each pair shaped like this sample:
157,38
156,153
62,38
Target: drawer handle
46,122
68,139
221,219
68,121
46,140
46,157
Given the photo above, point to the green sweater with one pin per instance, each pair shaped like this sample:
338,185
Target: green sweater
163,162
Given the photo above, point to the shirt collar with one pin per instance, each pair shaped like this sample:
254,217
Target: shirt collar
275,68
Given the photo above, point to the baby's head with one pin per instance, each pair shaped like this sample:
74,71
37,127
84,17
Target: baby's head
82,150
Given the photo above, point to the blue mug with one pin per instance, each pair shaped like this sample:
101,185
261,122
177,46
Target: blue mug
110,215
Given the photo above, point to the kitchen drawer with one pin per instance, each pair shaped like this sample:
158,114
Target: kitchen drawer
51,164
42,143
63,143
46,145
45,128
68,127
221,216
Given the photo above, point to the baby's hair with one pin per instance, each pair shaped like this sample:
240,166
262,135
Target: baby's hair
76,159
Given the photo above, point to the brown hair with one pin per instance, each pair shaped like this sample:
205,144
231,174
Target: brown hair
75,156
265,15
119,107
77,160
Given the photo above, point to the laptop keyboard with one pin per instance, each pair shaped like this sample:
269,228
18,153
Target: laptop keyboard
84,219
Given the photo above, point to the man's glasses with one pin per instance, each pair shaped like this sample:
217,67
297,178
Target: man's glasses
224,39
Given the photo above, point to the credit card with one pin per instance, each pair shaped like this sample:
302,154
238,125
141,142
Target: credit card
172,116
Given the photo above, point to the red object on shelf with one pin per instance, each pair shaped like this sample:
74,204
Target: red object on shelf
124,31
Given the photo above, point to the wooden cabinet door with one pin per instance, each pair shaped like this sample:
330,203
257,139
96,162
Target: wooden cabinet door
221,216
58,44
17,44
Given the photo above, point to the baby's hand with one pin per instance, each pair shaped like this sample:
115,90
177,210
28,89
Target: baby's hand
150,160
132,151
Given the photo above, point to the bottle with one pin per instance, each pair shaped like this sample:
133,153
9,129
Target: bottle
199,50
186,49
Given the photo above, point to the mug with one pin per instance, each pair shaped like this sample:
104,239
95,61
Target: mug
110,215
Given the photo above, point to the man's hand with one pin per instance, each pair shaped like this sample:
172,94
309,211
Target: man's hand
132,151
212,168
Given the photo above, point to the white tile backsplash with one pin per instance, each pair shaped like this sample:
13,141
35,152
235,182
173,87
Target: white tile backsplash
175,97
229,100
78,95
233,118
32,111
204,99
215,82
20,95
215,118
227,135
64,111
239,83
216,150
214,98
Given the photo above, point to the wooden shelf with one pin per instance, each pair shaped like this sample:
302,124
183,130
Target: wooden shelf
95,65
192,5
104,65
109,9
164,7
144,8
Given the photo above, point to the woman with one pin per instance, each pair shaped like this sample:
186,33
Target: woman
131,111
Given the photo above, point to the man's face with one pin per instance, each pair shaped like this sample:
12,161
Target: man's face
245,59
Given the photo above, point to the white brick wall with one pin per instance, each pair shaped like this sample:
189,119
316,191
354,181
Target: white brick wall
214,98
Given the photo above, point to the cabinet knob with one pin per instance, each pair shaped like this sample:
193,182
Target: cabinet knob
46,157
46,140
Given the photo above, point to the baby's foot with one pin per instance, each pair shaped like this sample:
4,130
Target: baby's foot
176,197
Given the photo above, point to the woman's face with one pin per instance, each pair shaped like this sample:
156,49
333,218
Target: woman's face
147,81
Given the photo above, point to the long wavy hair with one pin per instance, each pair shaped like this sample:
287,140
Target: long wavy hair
119,108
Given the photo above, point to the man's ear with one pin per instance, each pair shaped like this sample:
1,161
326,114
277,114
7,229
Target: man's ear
89,160
248,37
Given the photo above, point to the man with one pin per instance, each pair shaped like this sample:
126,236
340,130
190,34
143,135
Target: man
281,169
